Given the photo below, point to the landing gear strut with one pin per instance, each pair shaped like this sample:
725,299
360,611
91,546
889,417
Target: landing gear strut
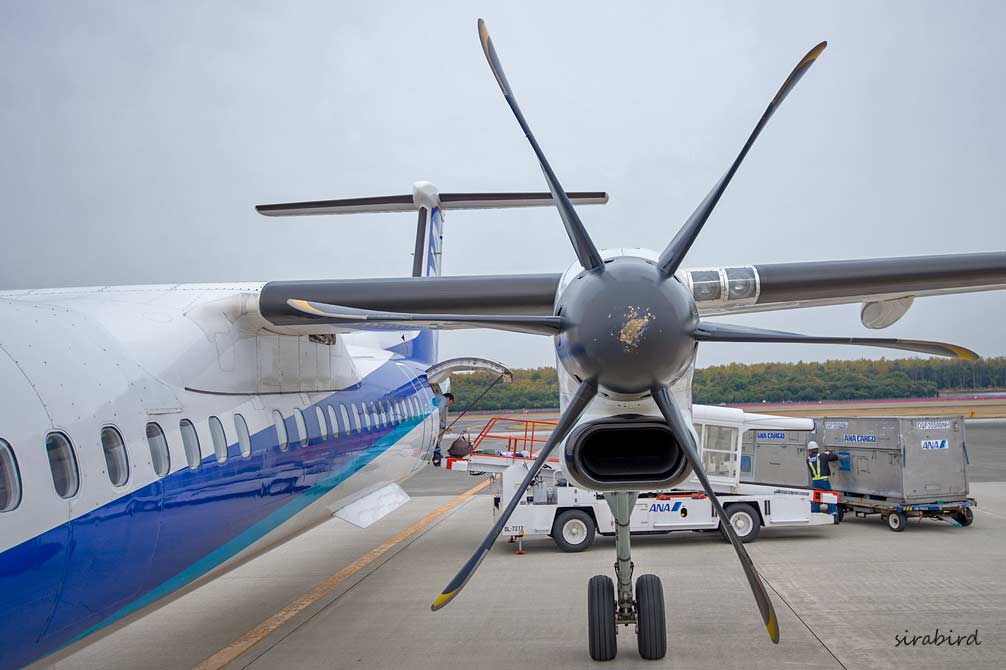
607,607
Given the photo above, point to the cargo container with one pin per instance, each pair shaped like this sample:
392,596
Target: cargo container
907,459
897,467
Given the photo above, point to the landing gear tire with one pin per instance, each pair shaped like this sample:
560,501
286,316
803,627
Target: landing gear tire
745,520
601,618
651,629
897,521
965,517
573,530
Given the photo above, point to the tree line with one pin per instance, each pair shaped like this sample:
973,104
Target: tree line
538,388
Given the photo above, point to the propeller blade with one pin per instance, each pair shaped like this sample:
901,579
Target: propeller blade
721,332
577,404
684,436
675,252
586,252
365,319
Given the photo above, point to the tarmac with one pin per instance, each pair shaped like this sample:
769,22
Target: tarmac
341,597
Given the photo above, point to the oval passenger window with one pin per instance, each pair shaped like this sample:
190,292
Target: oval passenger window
62,465
10,479
116,459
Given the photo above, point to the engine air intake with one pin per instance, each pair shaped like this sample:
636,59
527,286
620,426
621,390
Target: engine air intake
624,453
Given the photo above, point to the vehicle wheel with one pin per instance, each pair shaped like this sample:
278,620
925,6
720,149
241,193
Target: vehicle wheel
841,513
601,618
573,530
965,517
745,520
897,521
651,629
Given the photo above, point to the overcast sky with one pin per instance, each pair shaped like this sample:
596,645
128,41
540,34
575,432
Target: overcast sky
137,137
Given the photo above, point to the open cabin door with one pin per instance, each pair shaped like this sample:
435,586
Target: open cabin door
439,372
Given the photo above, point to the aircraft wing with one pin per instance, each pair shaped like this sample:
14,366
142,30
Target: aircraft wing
730,290
880,282
480,294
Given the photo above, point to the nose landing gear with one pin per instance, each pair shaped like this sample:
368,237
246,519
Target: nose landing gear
645,609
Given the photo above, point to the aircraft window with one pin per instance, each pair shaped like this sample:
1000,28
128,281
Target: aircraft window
277,419
159,457
375,415
116,459
706,285
381,416
740,283
334,420
718,452
347,428
244,439
322,426
301,425
219,438
190,441
400,410
62,464
365,414
10,479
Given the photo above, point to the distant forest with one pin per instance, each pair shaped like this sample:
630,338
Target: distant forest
538,388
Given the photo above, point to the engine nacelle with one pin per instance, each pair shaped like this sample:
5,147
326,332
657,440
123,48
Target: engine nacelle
628,452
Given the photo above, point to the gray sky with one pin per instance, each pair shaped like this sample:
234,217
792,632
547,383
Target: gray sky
137,137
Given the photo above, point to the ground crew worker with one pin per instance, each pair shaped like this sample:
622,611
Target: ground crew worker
820,472
444,400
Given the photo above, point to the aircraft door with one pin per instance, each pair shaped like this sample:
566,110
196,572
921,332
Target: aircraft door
36,533
422,437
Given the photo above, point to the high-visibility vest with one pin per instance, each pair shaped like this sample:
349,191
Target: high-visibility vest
815,468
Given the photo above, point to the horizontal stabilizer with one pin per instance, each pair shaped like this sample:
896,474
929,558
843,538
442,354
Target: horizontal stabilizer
411,203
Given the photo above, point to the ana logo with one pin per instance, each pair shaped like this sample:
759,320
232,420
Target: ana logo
859,438
934,444
771,436
665,507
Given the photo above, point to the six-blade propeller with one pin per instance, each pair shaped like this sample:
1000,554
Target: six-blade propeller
650,311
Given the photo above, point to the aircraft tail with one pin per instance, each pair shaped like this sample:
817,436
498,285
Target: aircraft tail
428,251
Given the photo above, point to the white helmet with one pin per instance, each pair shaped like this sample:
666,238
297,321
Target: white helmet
812,446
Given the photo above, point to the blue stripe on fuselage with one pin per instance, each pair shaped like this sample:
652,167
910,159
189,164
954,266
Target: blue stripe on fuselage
71,581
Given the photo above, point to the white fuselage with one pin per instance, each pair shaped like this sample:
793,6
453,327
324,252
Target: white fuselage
104,531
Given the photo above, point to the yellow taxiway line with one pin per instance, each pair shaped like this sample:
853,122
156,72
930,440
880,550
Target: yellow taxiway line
239,646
